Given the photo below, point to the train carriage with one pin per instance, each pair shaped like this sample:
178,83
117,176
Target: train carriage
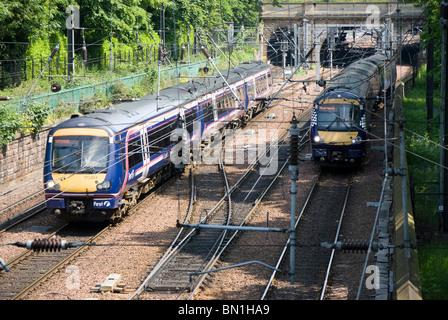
341,113
98,164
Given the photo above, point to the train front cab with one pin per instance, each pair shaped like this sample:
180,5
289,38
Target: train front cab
338,131
82,174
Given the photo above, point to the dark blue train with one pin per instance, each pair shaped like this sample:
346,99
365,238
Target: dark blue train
97,165
341,113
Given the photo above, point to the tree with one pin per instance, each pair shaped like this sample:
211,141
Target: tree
432,32
25,20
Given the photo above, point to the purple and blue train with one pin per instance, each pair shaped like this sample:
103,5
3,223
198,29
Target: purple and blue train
98,164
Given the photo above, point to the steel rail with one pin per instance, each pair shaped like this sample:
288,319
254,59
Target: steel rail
70,256
61,263
175,248
286,246
216,254
25,253
221,249
327,273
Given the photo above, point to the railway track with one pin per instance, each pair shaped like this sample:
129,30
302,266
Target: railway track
30,268
178,277
319,221
54,257
188,261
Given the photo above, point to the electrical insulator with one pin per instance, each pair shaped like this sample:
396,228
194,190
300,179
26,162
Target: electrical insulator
38,245
205,52
182,53
53,53
322,83
357,246
84,54
160,53
55,87
294,142
352,245
47,245
444,10
127,99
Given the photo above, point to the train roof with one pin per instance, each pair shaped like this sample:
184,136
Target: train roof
127,114
353,80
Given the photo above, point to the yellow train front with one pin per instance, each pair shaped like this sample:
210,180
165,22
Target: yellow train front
342,112
338,129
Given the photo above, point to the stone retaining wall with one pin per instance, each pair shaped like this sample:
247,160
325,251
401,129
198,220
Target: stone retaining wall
22,156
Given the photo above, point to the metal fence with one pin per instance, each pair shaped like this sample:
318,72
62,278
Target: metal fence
13,72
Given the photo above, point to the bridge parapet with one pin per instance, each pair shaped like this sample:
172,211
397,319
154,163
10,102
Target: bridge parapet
337,10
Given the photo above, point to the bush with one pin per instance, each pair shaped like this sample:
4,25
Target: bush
37,114
10,123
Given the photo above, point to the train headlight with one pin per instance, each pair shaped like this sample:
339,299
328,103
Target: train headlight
357,140
105,185
318,139
52,185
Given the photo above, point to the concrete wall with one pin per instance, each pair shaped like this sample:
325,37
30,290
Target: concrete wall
406,269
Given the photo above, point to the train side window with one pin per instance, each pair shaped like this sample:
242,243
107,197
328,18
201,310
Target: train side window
159,138
190,117
229,101
135,152
240,93
260,84
250,89
207,112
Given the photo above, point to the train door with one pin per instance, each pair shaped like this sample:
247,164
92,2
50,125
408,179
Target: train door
251,90
144,136
215,111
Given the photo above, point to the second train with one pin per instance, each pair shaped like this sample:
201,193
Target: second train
341,113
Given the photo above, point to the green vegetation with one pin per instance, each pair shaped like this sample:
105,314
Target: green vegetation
422,143
423,158
423,151
433,261
31,29
326,1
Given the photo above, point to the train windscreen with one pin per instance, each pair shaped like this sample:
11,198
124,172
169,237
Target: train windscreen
80,154
338,117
